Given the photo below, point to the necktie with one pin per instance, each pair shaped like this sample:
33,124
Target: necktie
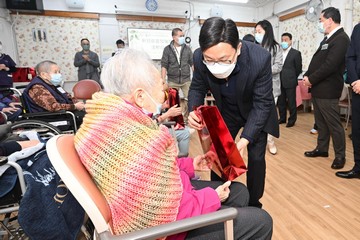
323,41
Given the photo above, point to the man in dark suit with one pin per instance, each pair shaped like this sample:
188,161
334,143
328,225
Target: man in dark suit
325,77
291,69
353,77
239,76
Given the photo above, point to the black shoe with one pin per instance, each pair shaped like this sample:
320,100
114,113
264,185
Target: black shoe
316,153
348,174
338,163
282,121
290,125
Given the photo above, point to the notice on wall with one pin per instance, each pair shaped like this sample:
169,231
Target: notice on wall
152,41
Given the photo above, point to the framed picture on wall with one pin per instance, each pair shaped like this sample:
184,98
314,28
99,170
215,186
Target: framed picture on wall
152,41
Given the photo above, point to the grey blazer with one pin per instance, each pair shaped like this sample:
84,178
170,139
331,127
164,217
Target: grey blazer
276,67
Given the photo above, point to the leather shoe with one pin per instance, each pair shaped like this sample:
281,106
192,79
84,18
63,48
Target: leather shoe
348,174
282,121
338,163
290,125
316,153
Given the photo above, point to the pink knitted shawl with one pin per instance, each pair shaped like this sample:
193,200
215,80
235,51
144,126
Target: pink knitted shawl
132,161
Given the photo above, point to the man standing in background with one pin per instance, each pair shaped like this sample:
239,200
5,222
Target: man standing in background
292,67
353,76
88,62
120,44
176,61
325,77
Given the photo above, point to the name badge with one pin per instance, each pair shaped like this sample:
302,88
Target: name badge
61,90
324,47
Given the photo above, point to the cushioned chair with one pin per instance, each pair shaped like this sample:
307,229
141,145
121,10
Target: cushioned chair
84,89
63,156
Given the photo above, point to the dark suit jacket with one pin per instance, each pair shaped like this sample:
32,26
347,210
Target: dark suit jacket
254,89
327,67
291,69
353,55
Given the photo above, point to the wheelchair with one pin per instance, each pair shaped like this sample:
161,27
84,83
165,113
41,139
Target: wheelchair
10,199
56,122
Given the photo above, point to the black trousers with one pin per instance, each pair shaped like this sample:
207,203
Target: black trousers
255,176
250,223
287,99
355,135
327,118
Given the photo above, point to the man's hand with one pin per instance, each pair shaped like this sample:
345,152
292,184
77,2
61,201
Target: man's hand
194,121
356,86
306,81
223,191
86,57
4,67
202,164
241,145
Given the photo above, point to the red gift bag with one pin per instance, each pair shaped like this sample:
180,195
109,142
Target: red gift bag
173,99
216,137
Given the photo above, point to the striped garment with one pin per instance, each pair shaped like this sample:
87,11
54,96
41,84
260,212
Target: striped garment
132,161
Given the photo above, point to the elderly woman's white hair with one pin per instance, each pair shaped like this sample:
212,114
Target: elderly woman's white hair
128,70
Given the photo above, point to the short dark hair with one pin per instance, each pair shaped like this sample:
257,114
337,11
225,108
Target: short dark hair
119,41
84,39
216,30
332,13
175,31
287,35
249,37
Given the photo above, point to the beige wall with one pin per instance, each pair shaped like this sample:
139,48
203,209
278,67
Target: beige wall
63,40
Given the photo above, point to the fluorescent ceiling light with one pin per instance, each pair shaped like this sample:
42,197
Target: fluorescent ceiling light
235,1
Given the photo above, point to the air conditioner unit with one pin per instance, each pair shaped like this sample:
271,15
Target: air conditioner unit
79,4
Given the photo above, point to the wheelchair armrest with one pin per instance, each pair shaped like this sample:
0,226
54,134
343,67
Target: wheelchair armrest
179,226
42,114
3,160
169,124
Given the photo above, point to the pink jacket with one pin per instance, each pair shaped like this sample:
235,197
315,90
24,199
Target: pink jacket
193,202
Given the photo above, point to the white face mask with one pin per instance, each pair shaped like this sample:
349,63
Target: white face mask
259,37
158,105
221,71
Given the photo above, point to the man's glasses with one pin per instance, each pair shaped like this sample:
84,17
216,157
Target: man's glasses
220,62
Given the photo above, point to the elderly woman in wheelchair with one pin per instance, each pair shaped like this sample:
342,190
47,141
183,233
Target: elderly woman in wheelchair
133,160
45,94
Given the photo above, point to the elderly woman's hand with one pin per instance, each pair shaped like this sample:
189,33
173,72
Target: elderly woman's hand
202,163
79,106
174,111
223,191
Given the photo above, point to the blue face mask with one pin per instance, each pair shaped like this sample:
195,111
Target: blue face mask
259,37
321,27
284,45
56,79
158,105
181,40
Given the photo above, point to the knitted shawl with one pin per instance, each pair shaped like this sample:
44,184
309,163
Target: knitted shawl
133,162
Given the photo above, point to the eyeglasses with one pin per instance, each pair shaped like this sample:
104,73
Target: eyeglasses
220,62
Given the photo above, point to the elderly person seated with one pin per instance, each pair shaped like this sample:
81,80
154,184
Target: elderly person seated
133,160
45,94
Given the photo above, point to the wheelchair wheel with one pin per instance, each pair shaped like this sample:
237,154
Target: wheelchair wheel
44,129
